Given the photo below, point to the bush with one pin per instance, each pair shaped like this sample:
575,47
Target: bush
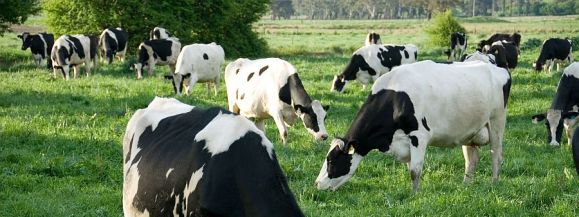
532,43
226,22
442,25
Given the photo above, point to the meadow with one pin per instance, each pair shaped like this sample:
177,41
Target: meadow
60,141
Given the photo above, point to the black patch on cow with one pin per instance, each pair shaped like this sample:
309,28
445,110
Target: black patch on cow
406,55
143,55
425,124
357,63
205,57
553,48
380,116
237,94
128,156
93,46
575,149
263,69
76,46
161,48
253,182
242,96
414,141
339,84
415,55
338,162
113,45
567,94
506,54
392,56
237,71
506,91
249,76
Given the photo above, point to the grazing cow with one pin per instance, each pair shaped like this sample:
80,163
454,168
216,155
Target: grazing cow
198,62
457,46
159,33
40,45
157,52
373,38
371,61
485,45
575,149
265,88
180,160
73,50
423,104
554,50
506,50
113,42
564,107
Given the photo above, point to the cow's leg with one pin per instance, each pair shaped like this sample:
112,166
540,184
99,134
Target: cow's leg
192,81
278,119
417,160
497,127
76,70
208,84
216,85
260,124
471,159
87,67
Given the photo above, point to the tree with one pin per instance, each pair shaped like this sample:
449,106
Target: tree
16,12
281,9
226,22
443,25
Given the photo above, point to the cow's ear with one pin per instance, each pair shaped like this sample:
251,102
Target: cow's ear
349,147
326,107
571,115
19,36
538,118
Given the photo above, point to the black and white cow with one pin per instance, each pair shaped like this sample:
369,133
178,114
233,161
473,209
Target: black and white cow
271,88
508,51
72,51
371,61
457,46
485,45
157,52
422,104
113,42
373,38
564,107
575,149
198,62
180,160
554,50
159,33
40,45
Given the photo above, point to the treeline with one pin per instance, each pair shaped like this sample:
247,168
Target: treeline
417,9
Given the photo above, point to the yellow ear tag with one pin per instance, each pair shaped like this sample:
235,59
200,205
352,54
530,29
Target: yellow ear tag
351,150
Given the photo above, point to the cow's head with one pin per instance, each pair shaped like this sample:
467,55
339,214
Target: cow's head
26,40
339,166
555,121
313,117
339,83
357,64
138,68
538,65
178,81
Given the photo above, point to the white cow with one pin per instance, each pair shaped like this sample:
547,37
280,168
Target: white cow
73,50
198,62
265,88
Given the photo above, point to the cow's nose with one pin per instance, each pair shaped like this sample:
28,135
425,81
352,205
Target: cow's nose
324,137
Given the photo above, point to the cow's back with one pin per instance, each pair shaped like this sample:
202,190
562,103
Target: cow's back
203,59
450,97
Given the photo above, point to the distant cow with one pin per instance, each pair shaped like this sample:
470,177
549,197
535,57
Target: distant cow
74,50
159,33
181,160
564,107
271,88
113,42
485,45
198,62
422,104
554,50
40,45
373,38
157,52
506,50
371,61
457,46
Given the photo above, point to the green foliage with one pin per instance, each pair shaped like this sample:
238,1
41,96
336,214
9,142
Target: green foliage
532,43
226,22
442,25
16,12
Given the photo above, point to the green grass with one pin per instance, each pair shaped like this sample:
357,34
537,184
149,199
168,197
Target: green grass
60,141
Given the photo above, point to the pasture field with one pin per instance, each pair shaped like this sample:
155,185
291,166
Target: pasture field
60,141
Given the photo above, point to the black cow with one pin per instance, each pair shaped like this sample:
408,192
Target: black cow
157,52
373,38
485,45
564,107
180,160
457,46
40,45
113,42
506,53
371,61
554,50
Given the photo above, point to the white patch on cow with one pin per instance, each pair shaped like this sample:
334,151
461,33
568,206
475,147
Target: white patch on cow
487,58
400,146
169,172
219,133
320,116
190,187
130,189
44,50
175,207
572,70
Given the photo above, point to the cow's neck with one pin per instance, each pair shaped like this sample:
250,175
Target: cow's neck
298,94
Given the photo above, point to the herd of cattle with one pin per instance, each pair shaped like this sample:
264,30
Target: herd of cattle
181,160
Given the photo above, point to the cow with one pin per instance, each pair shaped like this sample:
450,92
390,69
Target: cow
373,38
181,160
40,45
554,50
422,104
198,62
271,88
506,50
113,42
564,107
485,45
575,149
371,61
159,33
73,50
157,52
458,44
